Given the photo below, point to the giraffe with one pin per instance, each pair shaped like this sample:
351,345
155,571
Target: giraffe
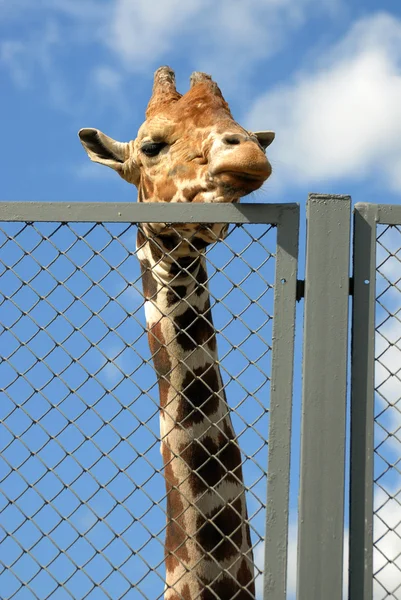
190,149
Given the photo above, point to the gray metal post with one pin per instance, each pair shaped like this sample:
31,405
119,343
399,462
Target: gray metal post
275,567
362,404
321,502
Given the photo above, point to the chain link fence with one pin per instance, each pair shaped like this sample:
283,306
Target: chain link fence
82,500
82,489
387,416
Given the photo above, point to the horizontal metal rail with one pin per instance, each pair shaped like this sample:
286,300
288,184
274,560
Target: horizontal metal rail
126,212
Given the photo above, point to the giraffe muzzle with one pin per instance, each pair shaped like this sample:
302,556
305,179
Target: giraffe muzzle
240,182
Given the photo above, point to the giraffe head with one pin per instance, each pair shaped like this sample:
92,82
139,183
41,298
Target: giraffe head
189,149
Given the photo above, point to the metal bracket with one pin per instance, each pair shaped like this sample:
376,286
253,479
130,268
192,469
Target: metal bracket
351,286
301,288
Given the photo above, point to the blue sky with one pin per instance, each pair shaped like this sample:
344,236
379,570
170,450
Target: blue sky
324,74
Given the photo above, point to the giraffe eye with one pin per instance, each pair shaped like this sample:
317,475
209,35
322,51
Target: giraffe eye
152,148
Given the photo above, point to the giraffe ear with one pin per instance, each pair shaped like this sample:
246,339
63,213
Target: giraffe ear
103,149
265,138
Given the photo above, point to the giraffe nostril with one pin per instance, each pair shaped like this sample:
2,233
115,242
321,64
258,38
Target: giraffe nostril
232,139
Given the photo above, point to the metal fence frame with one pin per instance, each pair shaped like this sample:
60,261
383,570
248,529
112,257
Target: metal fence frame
327,289
286,218
366,219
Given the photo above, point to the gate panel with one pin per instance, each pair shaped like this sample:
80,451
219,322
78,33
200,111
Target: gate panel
82,492
375,511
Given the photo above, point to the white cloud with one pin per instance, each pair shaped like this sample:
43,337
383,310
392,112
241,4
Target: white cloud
214,36
141,32
140,35
91,11
36,58
387,553
32,63
106,90
12,56
342,117
107,78
23,58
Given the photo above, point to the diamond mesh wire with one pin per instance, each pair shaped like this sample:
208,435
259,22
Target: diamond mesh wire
82,495
387,465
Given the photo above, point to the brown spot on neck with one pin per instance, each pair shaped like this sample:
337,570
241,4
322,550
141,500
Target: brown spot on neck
161,360
220,532
194,327
176,538
199,397
245,576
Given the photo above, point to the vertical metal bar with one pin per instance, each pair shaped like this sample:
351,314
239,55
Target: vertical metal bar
275,567
321,502
362,404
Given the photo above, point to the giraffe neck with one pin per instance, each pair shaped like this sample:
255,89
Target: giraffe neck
207,534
